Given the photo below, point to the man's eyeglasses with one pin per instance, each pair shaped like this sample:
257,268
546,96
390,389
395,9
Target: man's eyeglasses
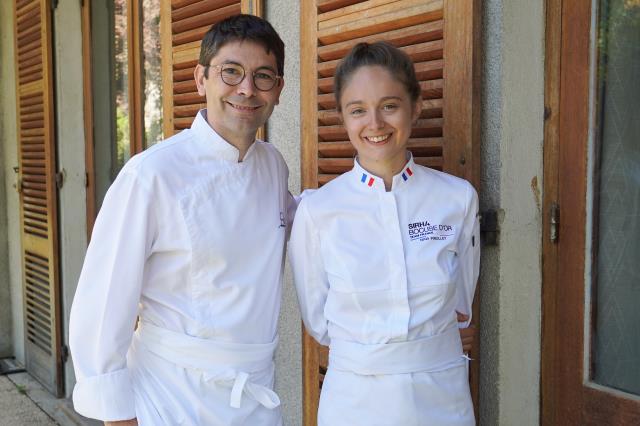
232,74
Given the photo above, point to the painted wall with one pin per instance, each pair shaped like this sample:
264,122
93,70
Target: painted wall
512,140
6,321
283,131
70,137
12,275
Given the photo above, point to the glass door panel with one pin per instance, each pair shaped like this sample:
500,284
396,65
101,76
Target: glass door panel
615,169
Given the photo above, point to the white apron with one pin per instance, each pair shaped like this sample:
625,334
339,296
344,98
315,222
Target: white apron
183,380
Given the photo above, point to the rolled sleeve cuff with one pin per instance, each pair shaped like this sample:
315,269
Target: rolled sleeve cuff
108,397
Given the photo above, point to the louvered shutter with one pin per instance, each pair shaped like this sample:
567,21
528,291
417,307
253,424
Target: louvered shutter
441,37
184,23
37,187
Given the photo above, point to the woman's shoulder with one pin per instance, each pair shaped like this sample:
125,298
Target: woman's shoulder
443,179
328,194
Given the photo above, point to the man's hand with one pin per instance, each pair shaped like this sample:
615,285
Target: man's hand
467,335
132,422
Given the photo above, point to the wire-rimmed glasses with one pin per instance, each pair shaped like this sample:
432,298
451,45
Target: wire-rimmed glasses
264,79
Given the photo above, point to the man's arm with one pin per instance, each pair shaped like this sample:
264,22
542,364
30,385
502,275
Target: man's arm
105,305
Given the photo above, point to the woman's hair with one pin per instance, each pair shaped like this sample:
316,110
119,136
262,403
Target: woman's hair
381,54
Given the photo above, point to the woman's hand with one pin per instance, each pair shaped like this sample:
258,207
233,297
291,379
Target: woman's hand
467,335
132,422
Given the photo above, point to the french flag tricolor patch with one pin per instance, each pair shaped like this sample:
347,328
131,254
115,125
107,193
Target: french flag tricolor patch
406,173
363,179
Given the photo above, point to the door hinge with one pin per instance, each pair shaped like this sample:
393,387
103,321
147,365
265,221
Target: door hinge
64,353
18,185
489,227
554,222
60,177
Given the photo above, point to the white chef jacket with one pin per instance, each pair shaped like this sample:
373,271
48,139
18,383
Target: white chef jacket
383,270
191,241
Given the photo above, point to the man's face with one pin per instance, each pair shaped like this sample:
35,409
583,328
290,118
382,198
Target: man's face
236,112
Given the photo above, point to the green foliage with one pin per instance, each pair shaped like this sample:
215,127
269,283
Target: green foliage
122,136
21,389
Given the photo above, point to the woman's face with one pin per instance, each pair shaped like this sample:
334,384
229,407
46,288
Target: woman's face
378,112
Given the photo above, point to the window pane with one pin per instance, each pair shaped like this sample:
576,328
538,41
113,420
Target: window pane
152,77
617,210
121,74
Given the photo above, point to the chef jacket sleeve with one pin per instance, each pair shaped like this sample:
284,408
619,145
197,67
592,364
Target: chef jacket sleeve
309,275
293,201
105,304
469,252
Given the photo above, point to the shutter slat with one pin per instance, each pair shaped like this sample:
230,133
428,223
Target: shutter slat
188,98
28,15
194,28
178,4
424,71
183,123
198,20
183,75
198,8
327,5
28,35
421,52
369,7
26,46
185,87
188,110
23,6
336,30
402,37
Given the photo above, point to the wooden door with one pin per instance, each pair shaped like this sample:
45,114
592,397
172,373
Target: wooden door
441,37
38,192
591,345
183,24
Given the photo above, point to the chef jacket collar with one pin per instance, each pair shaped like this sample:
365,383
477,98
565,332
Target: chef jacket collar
213,142
370,181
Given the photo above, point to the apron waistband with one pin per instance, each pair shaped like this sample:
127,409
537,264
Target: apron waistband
221,362
434,353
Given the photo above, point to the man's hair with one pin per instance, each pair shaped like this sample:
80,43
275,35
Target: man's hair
381,54
241,28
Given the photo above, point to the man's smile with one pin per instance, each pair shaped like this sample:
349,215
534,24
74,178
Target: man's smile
243,107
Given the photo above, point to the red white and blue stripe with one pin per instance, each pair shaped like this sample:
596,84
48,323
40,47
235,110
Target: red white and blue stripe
407,173
369,180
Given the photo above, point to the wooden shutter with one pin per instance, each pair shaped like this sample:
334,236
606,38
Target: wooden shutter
38,194
183,24
441,37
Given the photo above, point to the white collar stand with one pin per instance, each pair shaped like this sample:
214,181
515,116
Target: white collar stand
369,181
213,142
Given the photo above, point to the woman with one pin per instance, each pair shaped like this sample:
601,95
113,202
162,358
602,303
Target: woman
383,257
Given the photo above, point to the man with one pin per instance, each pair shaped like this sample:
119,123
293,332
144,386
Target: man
190,239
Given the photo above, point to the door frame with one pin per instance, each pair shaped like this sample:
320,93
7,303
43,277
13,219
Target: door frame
566,391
